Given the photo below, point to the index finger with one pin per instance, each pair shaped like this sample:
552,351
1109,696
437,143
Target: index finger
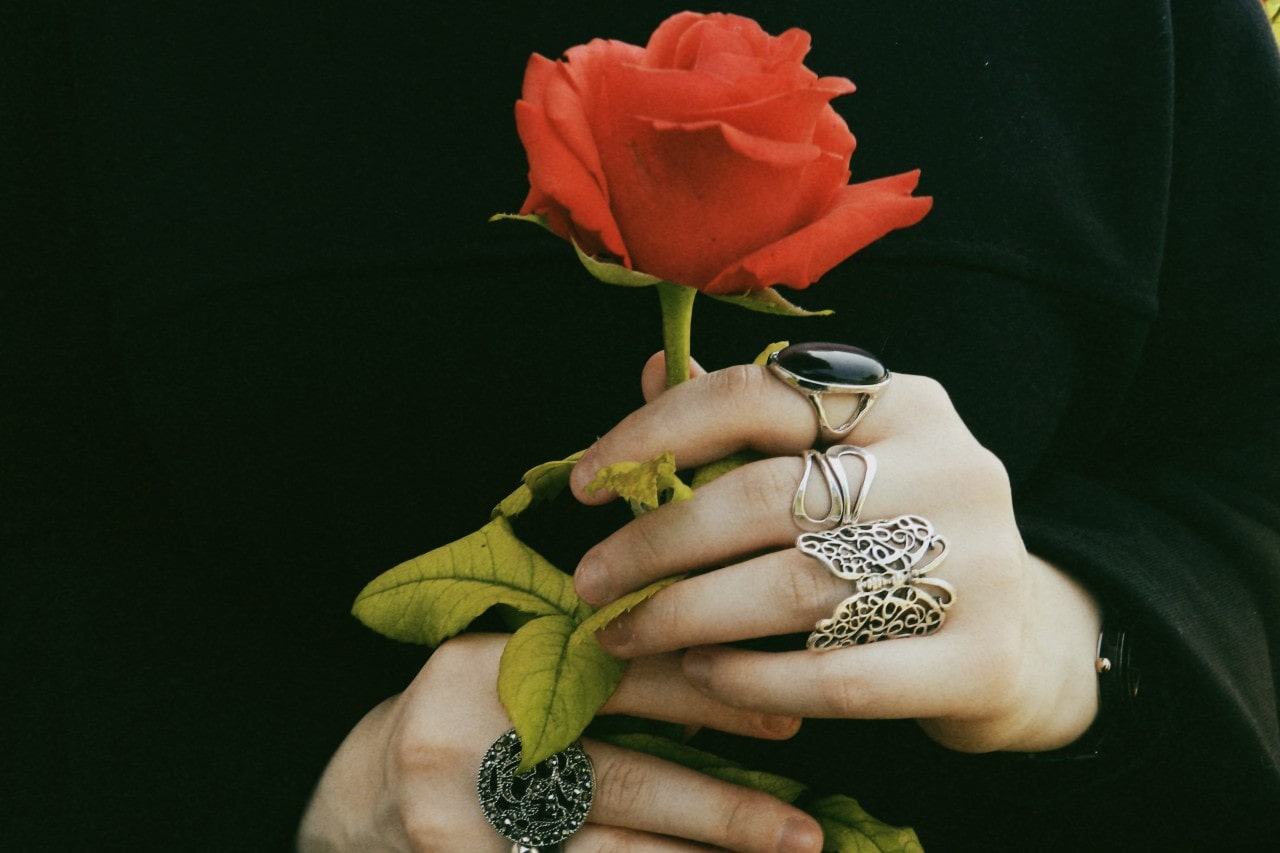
702,420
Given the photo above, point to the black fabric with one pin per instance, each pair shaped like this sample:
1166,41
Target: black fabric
259,344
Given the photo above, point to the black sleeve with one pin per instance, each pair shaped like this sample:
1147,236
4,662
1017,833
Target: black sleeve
250,298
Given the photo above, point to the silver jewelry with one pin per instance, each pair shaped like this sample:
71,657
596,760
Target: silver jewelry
517,847
888,561
818,369
843,509
541,808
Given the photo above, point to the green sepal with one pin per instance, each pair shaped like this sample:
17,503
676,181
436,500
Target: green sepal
712,765
847,828
644,485
606,271
552,681
436,595
535,218
611,273
539,484
769,301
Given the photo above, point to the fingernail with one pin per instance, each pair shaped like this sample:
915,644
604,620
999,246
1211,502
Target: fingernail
591,582
697,668
798,835
773,724
617,635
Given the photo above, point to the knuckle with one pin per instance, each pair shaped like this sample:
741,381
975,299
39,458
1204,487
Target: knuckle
424,833
843,690
736,381
745,822
810,590
932,397
988,474
623,783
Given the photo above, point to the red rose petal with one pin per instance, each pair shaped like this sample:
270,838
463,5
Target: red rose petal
861,214
692,199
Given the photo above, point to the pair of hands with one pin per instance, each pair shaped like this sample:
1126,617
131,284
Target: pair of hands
1012,668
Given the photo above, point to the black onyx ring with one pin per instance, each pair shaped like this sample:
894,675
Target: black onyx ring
540,808
818,369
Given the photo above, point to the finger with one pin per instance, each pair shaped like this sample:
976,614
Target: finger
704,419
654,687
784,592
912,677
653,380
645,793
744,406
615,839
740,513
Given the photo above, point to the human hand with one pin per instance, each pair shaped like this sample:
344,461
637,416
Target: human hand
405,778
1011,669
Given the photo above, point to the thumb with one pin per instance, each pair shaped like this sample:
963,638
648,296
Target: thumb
653,380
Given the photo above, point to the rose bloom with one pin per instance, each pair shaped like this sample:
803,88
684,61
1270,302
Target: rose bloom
710,158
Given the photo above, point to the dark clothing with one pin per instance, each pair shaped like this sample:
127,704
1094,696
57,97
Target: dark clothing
259,344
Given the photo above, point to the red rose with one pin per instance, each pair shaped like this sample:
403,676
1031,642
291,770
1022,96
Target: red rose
711,157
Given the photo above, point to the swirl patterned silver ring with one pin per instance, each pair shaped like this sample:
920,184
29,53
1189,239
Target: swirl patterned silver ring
540,808
843,508
888,562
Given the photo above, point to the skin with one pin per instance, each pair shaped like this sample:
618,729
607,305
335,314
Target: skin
404,779
1011,668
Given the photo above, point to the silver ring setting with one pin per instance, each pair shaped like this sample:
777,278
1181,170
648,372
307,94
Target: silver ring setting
888,561
541,808
844,508
818,369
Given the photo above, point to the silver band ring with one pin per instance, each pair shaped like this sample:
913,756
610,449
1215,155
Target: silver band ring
843,508
818,369
538,809
517,847
888,562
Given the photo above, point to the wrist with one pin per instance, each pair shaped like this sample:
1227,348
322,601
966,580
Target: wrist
1064,676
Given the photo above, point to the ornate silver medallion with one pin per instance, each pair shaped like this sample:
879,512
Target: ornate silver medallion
539,808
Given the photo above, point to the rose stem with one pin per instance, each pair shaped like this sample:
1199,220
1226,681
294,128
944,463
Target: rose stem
676,301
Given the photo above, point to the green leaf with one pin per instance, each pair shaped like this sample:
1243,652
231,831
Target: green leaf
617,607
644,485
438,594
712,765
769,301
552,683
539,484
777,346
848,828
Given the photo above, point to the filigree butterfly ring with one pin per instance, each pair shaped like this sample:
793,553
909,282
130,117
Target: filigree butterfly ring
889,562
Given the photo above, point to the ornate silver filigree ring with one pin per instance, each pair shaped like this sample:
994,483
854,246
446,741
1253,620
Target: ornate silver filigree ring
888,562
541,808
